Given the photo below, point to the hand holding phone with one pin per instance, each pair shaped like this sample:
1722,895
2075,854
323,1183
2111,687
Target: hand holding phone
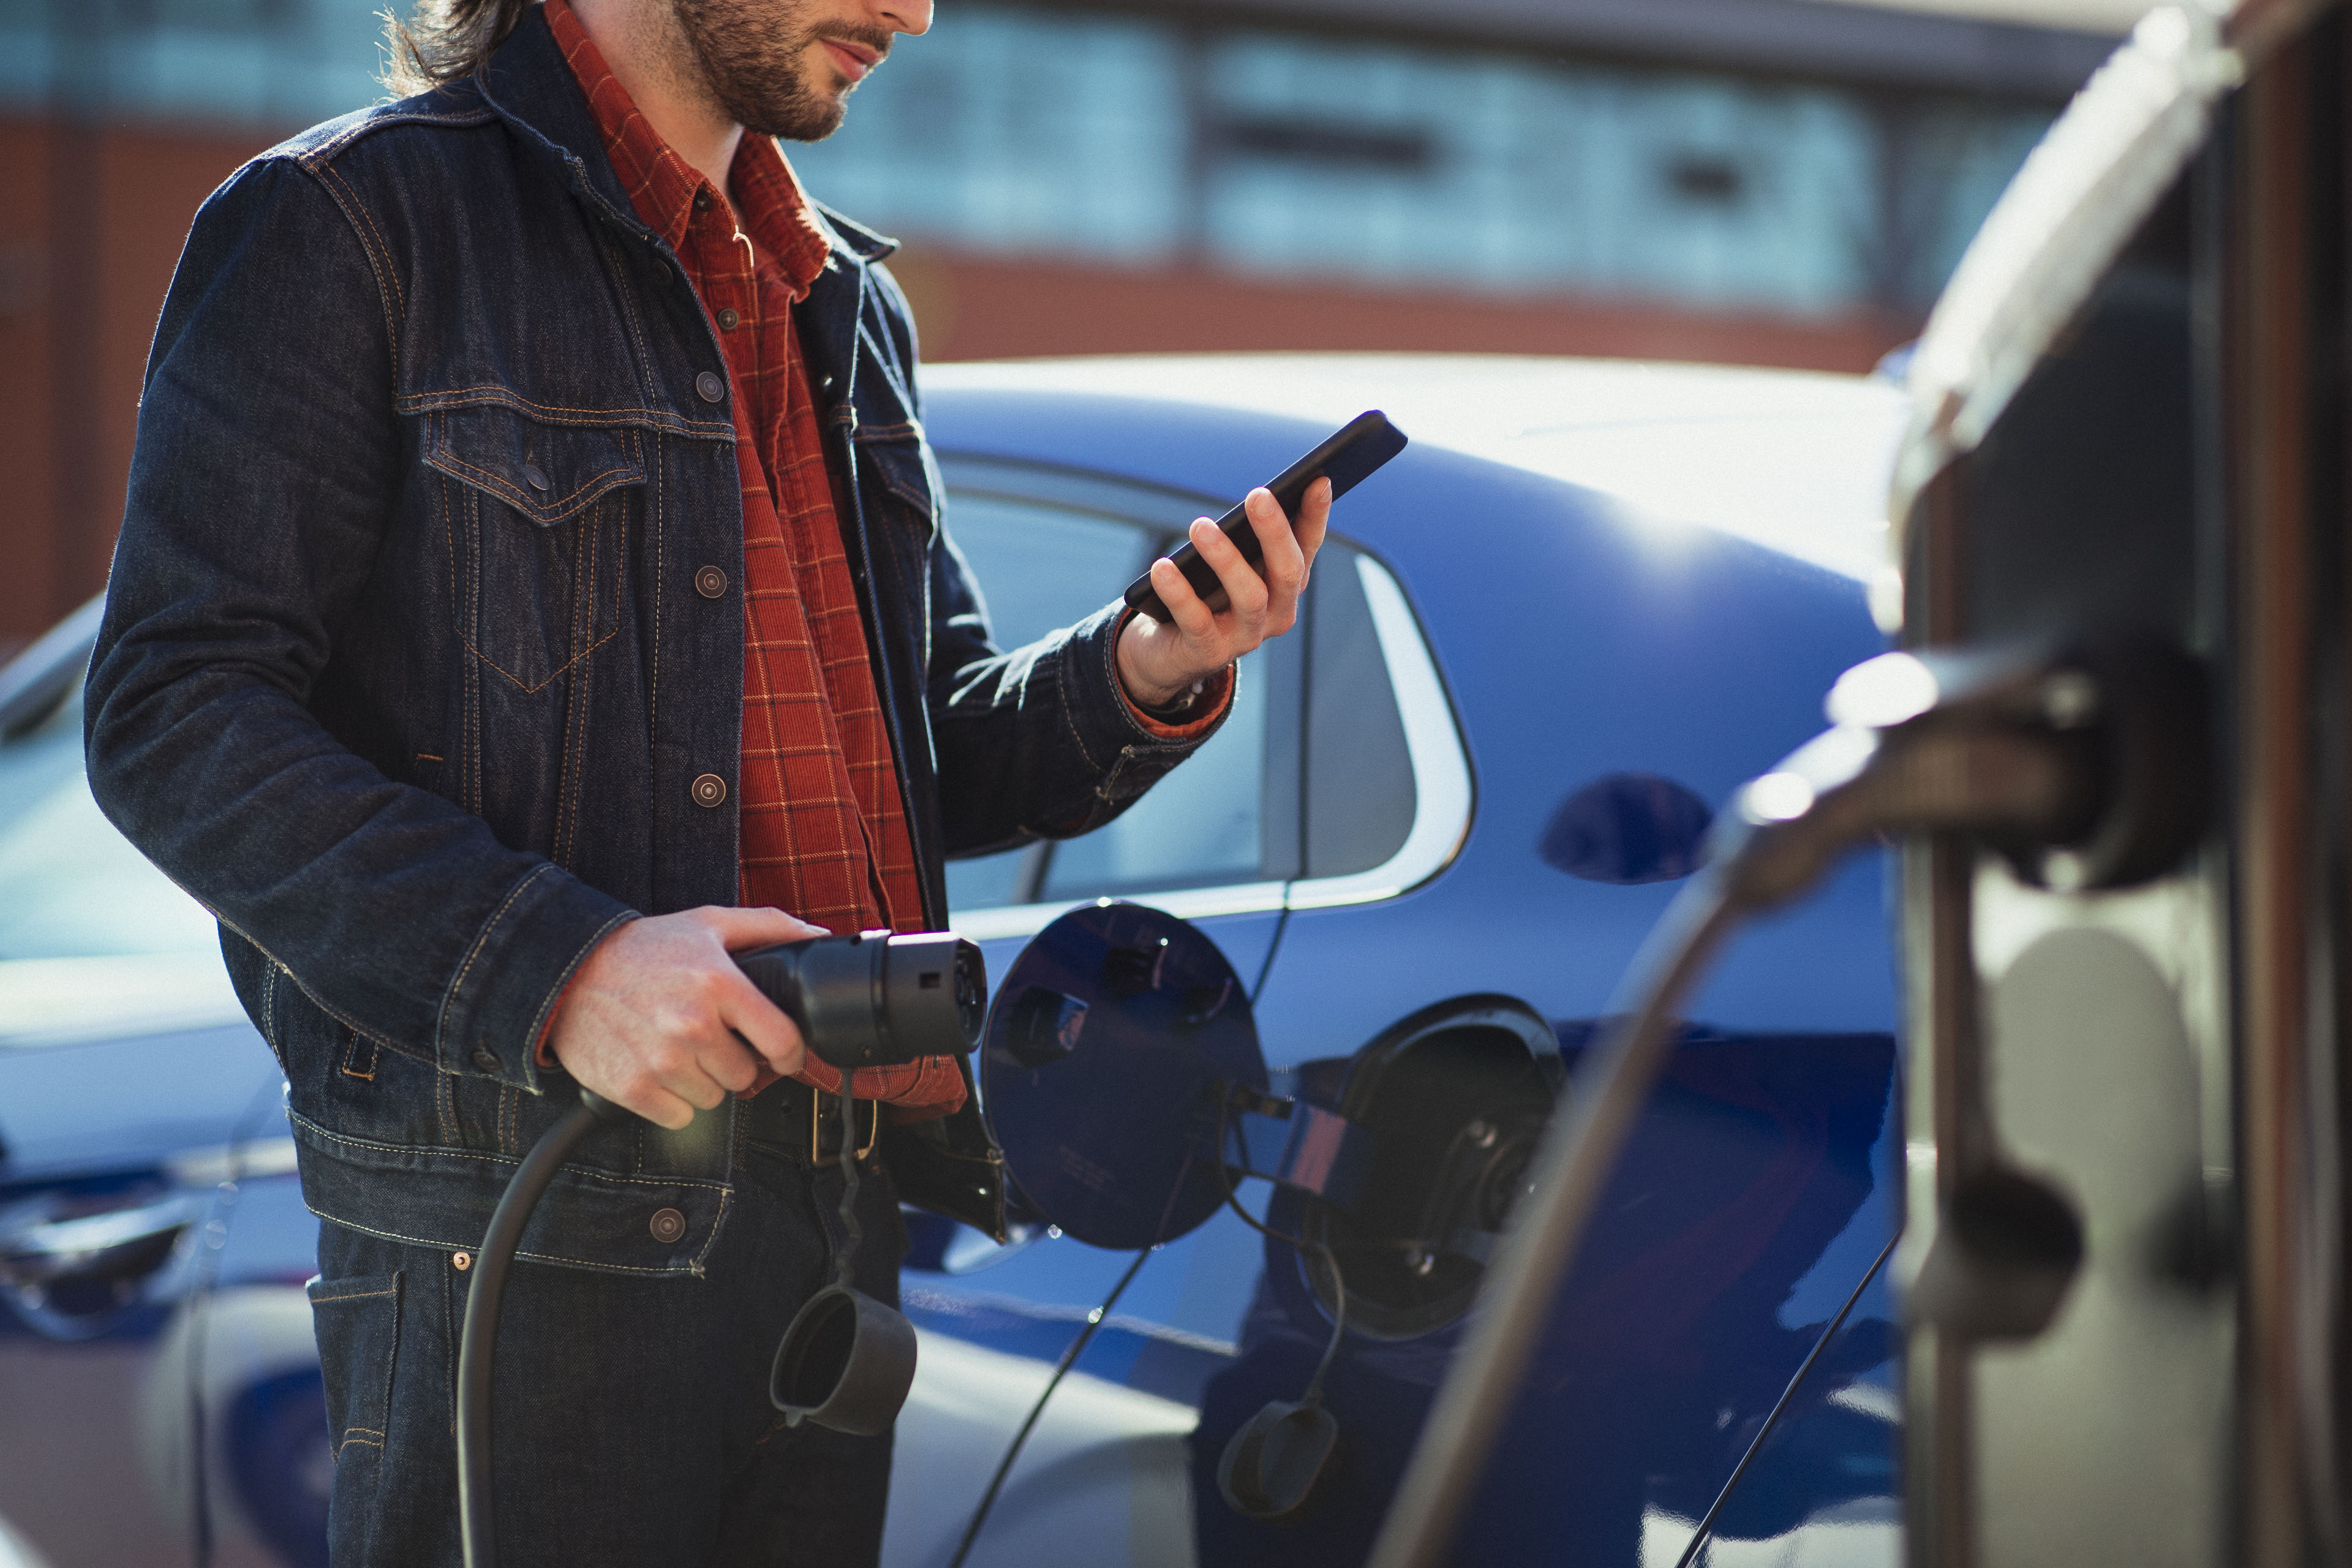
1351,453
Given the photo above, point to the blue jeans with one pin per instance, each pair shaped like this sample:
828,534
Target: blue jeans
631,1420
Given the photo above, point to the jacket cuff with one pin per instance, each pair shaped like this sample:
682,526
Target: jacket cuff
516,969
1193,718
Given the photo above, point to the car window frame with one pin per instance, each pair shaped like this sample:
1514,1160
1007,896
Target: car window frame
1444,786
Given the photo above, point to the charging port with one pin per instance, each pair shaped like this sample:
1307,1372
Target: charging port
1454,1098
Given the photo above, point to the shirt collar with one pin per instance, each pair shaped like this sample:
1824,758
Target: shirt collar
663,187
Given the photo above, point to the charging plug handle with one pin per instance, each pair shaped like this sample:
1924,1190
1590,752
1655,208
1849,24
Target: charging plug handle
877,998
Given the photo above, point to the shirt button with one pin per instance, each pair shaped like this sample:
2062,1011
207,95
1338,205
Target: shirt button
710,386
702,201
710,581
667,1225
709,789
486,1059
532,477
730,320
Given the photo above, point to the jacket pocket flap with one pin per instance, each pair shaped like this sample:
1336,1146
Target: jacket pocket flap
899,455
549,473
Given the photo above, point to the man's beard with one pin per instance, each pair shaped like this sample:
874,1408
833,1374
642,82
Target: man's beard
755,60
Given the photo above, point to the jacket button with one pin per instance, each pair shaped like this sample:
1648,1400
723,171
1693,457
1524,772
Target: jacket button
486,1059
710,581
533,478
710,386
709,789
730,320
667,1225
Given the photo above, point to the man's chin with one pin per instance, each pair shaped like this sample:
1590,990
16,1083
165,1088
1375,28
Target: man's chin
814,121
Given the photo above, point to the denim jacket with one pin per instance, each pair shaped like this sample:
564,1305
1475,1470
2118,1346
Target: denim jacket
411,661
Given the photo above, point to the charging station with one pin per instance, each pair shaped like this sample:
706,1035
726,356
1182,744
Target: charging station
2114,752
2125,1118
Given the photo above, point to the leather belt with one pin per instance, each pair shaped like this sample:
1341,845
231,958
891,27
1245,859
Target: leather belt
803,1123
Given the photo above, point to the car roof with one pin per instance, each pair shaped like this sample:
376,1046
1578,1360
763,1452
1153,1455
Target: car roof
1796,461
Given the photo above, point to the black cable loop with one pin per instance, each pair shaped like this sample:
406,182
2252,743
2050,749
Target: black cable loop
851,1232
1314,1393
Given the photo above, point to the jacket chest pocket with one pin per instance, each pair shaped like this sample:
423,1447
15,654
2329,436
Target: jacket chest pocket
539,519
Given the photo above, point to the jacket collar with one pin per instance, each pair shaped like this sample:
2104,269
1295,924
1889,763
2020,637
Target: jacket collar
530,88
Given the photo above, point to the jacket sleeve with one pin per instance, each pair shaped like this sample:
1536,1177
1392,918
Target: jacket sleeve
1040,742
268,457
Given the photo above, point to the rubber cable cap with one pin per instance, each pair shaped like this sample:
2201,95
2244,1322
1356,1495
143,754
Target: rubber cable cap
1271,1466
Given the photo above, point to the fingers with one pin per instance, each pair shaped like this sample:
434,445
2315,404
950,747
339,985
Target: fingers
658,1105
761,927
1314,518
1245,591
763,1026
1285,557
1185,610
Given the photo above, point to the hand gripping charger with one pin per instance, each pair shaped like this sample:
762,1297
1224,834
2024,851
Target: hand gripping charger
846,1360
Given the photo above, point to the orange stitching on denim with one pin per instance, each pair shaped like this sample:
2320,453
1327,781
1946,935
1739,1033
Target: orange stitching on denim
653,686
379,255
321,1134
352,1057
354,1296
482,937
493,394
586,494
530,1256
527,687
385,119
378,244
310,996
378,265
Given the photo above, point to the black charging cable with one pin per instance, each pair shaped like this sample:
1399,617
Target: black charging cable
478,1344
1756,1445
485,1297
1094,1319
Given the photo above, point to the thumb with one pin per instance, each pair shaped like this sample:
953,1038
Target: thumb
740,929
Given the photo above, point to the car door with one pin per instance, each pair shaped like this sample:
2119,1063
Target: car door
1226,840
158,1387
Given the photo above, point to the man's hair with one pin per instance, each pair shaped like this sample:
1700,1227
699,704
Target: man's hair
446,41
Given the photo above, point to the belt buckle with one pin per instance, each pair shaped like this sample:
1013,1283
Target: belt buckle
819,1115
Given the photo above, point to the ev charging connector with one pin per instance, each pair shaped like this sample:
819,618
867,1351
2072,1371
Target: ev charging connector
846,1360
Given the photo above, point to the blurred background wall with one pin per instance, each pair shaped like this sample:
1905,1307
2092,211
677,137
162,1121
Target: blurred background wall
1766,181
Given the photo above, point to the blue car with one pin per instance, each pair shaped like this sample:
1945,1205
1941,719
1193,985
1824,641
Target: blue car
1542,647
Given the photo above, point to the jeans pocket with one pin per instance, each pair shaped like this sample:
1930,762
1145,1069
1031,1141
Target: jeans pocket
358,1324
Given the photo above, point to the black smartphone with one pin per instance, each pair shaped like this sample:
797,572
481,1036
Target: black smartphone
1353,451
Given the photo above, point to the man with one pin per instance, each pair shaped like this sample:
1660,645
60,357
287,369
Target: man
532,588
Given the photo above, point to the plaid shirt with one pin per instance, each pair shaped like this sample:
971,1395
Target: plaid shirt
823,833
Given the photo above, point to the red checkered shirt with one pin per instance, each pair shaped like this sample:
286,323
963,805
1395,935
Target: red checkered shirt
823,833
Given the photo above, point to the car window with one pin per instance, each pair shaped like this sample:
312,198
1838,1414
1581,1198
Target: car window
1044,567
1040,567
1201,826
1233,812
1359,785
1043,564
